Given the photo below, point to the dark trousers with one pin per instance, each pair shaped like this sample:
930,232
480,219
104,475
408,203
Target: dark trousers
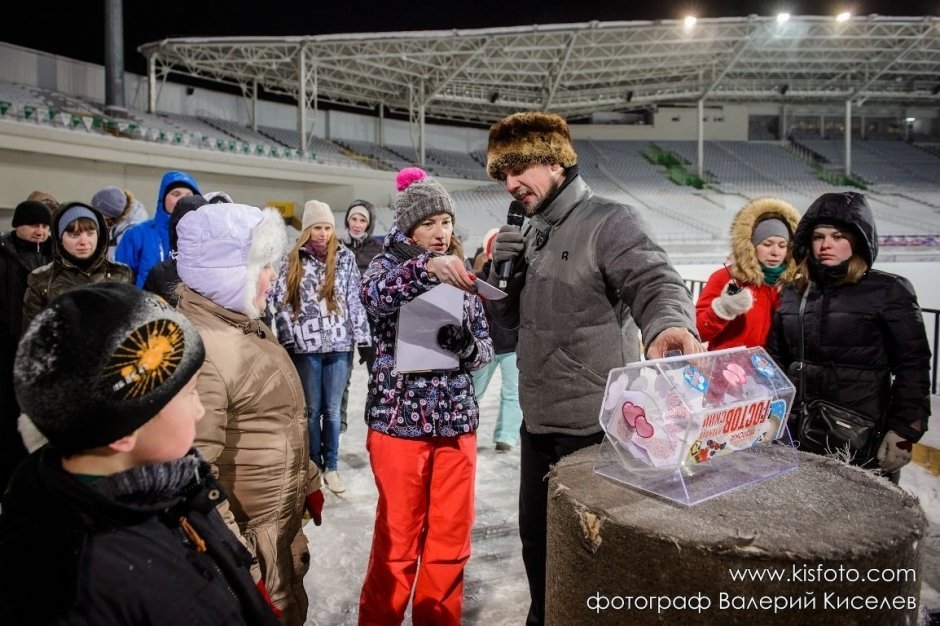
12,450
367,353
539,453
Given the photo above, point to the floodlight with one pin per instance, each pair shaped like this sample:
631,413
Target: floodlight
843,17
689,22
910,120
782,17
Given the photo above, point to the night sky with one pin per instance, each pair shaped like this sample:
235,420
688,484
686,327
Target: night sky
75,28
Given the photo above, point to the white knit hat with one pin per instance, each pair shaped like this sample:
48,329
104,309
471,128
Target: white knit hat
316,212
222,249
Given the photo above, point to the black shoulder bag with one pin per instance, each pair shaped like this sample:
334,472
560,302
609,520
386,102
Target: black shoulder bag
826,427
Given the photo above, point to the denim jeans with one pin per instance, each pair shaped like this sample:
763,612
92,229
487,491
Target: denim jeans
324,376
510,415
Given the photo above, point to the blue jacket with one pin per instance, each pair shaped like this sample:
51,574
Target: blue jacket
148,243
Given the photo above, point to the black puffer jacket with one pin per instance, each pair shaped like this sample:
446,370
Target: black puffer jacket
72,555
865,343
17,259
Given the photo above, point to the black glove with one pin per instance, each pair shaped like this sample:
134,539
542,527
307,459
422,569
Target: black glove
456,339
507,245
365,353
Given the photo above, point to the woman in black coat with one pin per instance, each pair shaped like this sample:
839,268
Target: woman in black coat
865,344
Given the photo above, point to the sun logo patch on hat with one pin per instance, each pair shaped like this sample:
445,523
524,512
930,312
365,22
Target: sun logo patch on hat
145,358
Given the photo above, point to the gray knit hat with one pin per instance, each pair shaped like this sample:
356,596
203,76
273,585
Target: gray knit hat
420,197
771,227
72,212
110,201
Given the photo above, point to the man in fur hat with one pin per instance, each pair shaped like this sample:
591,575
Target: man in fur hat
581,267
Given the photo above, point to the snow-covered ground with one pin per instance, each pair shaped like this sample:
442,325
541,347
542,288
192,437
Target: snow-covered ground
926,487
495,588
496,591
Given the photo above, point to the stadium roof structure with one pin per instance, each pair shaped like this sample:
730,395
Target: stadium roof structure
576,70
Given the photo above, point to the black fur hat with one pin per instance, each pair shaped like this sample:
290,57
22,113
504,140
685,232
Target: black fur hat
100,361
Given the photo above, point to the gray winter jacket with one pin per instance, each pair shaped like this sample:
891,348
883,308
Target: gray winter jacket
589,265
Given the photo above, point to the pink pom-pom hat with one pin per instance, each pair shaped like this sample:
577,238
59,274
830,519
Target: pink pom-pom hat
420,197
407,176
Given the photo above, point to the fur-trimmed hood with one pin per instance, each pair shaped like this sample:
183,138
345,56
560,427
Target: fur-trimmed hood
527,138
745,265
223,248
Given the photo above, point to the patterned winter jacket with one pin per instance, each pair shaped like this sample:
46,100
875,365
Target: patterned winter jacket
438,403
315,329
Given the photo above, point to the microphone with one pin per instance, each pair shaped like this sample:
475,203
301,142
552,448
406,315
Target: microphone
515,217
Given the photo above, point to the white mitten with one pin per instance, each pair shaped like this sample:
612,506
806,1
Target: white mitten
728,306
894,452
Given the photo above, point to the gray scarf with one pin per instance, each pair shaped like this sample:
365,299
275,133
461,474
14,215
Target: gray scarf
153,483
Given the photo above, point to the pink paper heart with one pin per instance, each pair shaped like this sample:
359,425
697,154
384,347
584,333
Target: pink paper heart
735,374
643,428
636,418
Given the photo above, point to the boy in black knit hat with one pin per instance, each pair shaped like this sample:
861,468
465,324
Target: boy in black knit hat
115,520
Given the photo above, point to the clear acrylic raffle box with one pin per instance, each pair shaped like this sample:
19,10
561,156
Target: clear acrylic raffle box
689,428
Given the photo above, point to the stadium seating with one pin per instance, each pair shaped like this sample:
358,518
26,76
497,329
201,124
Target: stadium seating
901,178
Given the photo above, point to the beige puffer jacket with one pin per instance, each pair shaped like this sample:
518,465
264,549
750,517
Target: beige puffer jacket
254,434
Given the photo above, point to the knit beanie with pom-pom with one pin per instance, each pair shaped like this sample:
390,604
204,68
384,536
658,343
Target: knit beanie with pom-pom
419,197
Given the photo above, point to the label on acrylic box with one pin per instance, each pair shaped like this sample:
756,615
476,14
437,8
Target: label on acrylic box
732,427
682,411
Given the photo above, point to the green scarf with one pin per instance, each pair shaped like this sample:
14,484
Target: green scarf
772,274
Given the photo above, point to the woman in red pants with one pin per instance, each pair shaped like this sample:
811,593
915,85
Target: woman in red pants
422,426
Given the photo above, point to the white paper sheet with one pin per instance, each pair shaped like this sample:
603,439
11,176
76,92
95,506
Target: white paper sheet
488,291
416,348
